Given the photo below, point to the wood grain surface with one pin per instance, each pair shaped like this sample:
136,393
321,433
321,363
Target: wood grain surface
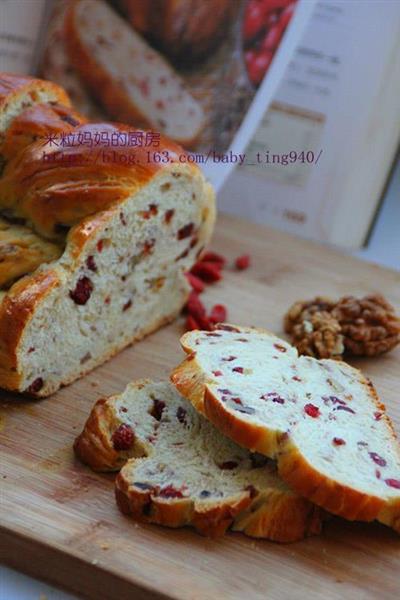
59,521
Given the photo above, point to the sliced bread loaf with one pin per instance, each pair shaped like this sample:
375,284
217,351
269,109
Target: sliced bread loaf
321,419
183,472
133,82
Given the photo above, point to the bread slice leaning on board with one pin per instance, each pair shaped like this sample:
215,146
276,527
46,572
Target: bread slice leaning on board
320,419
183,472
128,233
132,81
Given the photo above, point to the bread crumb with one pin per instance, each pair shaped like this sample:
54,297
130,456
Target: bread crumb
104,546
94,561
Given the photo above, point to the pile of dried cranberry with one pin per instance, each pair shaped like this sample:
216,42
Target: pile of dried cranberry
208,270
264,24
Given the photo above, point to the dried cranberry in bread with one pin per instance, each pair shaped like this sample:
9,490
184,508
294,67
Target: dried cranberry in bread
183,472
132,81
321,419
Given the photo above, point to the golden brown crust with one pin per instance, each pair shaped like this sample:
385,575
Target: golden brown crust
38,122
16,311
341,500
49,192
278,516
12,86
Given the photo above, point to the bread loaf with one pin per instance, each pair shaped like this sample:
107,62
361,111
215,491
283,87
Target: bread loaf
128,231
133,82
320,419
183,472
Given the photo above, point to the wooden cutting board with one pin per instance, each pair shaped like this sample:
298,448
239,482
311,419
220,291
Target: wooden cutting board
59,520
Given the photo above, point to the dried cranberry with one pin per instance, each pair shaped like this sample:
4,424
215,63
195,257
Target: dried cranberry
280,347
213,334
217,373
100,245
91,264
338,441
228,465
394,483
168,215
238,370
218,314
122,218
236,400
127,305
214,257
157,410
181,415
151,212
378,459
311,410
123,437
170,492
274,396
252,490
225,391
82,292
378,416
35,386
185,231
224,327
296,378
195,282
191,356
207,271
229,358
242,262
148,246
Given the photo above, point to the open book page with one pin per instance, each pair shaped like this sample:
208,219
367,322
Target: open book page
318,162
200,72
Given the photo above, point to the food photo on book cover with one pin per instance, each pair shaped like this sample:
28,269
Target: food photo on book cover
199,298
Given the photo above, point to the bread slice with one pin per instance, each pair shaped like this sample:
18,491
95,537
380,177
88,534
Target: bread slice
132,81
321,419
22,251
56,65
129,230
183,472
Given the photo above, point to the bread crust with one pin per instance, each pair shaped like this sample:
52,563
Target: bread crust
277,515
294,469
13,86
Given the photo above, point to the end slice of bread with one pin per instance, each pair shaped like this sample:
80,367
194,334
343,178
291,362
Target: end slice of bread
132,81
321,419
183,472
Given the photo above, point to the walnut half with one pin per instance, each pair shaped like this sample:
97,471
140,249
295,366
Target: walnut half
324,328
369,325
